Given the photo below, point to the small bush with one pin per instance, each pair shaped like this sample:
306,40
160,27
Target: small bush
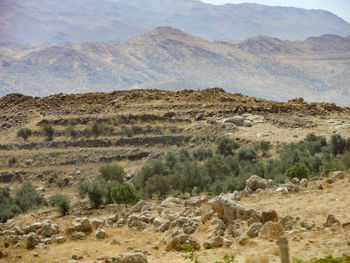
338,145
247,154
12,161
225,146
157,184
95,190
112,173
61,203
202,154
48,131
27,198
96,129
125,194
70,131
25,133
60,183
127,131
299,170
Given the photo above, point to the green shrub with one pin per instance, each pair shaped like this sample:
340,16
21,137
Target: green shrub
157,184
338,144
8,206
96,129
70,131
60,183
27,198
247,154
225,146
202,154
125,194
127,131
116,120
332,164
48,131
72,122
25,133
299,170
111,172
61,203
183,155
95,190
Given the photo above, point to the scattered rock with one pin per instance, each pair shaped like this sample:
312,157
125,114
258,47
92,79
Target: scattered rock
337,175
101,234
269,215
247,123
96,223
331,221
32,240
255,182
82,224
136,257
115,241
271,230
214,242
229,211
176,242
254,230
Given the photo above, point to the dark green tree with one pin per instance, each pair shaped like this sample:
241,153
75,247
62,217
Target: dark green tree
125,194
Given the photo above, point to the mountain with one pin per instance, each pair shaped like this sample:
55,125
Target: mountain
57,21
167,58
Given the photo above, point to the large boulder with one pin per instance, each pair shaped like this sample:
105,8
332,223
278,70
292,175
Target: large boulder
229,211
254,230
256,182
32,240
237,120
214,242
271,230
269,215
82,224
177,241
48,229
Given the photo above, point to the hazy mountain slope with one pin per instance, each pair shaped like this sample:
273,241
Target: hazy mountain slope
38,22
56,21
316,68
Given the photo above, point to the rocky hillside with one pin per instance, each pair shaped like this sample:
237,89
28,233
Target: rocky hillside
56,21
167,58
138,130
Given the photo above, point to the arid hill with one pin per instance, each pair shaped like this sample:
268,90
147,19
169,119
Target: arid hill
167,58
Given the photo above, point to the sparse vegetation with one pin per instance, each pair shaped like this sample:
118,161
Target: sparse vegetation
61,203
48,131
71,131
25,133
97,129
328,259
225,146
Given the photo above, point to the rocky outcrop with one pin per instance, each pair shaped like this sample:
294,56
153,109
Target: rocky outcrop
177,241
229,211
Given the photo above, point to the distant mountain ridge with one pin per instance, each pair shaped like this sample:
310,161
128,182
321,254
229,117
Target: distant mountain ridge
167,58
56,21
